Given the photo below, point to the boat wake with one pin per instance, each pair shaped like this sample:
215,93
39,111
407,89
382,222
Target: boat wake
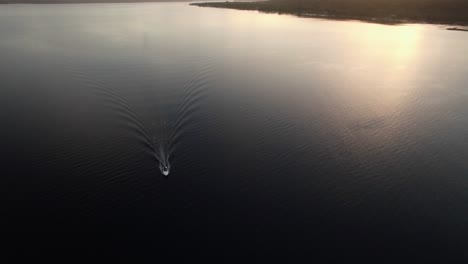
169,119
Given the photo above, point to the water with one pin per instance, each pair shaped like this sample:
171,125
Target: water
277,133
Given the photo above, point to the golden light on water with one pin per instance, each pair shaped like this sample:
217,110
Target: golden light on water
371,71
399,43
387,55
384,89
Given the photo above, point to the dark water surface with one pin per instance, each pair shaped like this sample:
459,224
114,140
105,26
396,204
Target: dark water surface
283,134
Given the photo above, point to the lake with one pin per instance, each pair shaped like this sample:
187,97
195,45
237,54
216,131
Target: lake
279,134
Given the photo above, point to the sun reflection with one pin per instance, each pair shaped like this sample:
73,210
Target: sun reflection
400,42
376,74
388,56
399,59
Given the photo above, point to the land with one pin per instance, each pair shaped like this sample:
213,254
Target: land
81,1
384,11
458,29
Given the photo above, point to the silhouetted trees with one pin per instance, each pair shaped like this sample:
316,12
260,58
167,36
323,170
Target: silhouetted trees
81,1
439,11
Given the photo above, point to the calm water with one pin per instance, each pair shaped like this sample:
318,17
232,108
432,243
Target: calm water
280,132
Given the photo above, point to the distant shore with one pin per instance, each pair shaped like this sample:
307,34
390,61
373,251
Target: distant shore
453,12
83,1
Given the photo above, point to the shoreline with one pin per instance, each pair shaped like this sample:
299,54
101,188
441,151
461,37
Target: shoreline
270,7
59,2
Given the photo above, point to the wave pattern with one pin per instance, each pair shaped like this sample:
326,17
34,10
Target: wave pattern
158,133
